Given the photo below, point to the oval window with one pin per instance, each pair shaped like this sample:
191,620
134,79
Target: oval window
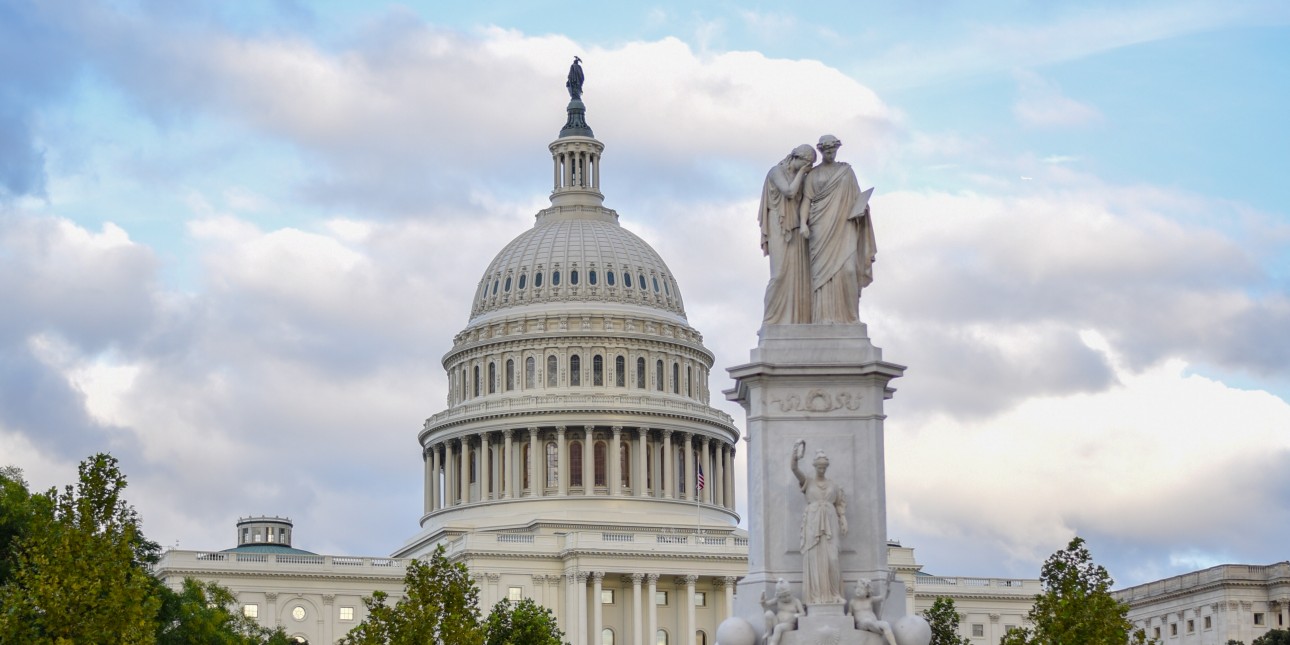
555,278
573,277
609,278
627,280
507,285
655,285
591,277
537,279
665,287
641,281
494,287
522,279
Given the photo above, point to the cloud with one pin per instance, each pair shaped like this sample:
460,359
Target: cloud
1042,104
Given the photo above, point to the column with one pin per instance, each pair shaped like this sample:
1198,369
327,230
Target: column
719,478
463,470
435,486
615,461
597,607
730,477
427,464
562,470
570,623
449,474
706,494
731,582
651,604
509,467
690,626
642,477
485,468
637,623
582,608
535,482
669,477
689,491
588,470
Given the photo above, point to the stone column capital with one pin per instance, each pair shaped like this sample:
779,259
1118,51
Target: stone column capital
652,578
597,576
617,430
508,432
687,580
559,431
533,430
636,578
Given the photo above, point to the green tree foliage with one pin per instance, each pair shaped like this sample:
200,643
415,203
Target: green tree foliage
80,571
1274,637
1076,607
522,623
205,612
441,606
944,620
18,511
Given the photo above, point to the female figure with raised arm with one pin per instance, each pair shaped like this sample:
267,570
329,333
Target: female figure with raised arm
824,523
783,238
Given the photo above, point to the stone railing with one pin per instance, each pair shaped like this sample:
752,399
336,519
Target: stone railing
232,561
548,402
598,541
994,585
1243,573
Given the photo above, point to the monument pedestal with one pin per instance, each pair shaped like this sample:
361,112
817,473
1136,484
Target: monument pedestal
825,385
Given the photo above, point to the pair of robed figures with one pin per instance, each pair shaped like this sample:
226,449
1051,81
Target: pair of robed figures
816,228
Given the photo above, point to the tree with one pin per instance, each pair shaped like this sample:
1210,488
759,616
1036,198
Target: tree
1076,607
524,623
80,571
441,606
18,510
944,620
205,612
1274,637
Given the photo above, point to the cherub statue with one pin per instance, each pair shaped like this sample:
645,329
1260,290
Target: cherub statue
864,608
782,612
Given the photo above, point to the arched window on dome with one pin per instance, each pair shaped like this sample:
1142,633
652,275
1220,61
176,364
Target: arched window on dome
575,370
472,458
524,464
655,284
530,373
627,280
506,286
658,375
700,638
689,381
510,375
464,392
609,278
640,373
649,469
492,378
641,280
555,278
573,277
552,371
537,279
494,287
552,465
680,470
598,370
625,464
523,280
575,463
620,371
477,381
666,290
676,378
598,454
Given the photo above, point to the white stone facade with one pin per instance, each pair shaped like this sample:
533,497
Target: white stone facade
1211,606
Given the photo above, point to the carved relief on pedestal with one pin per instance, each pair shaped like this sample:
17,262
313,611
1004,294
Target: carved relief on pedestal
818,400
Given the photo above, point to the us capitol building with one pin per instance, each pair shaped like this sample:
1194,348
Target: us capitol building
578,462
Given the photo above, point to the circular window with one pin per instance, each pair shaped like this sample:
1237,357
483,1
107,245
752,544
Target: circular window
298,613
609,278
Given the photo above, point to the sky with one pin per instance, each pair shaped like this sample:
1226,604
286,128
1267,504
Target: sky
236,240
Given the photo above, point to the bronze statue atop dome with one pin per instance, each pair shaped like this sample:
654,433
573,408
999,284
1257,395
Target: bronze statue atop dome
575,79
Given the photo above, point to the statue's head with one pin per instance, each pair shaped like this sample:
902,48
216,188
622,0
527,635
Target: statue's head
821,461
828,142
864,588
803,155
782,590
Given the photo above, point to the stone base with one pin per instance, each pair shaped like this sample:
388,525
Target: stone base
829,630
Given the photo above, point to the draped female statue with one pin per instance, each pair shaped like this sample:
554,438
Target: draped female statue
788,294
842,246
824,524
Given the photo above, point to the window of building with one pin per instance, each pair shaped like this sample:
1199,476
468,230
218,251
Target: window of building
606,636
625,464
251,611
494,287
640,282
627,280
689,381
660,637
660,598
1155,632
470,457
658,375
347,613
552,371
700,599
552,464
1191,626
573,277
537,279
524,463
620,367
515,594
269,535
591,277
666,289
1209,623
655,285
676,378
530,373
598,370
492,378
477,382
700,638
598,454
298,613
506,286
555,278
640,373
1258,618
575,370
978,630
606,596
1173,629
575,463
522,280
510,375
609,278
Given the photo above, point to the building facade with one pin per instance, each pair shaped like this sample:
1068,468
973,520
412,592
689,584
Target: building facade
1212,606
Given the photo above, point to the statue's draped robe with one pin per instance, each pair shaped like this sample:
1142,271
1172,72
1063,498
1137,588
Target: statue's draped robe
842,246
821,567
788,294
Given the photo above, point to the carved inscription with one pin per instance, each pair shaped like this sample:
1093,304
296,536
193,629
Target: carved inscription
818,401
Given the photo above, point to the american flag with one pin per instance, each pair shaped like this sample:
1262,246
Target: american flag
699,481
